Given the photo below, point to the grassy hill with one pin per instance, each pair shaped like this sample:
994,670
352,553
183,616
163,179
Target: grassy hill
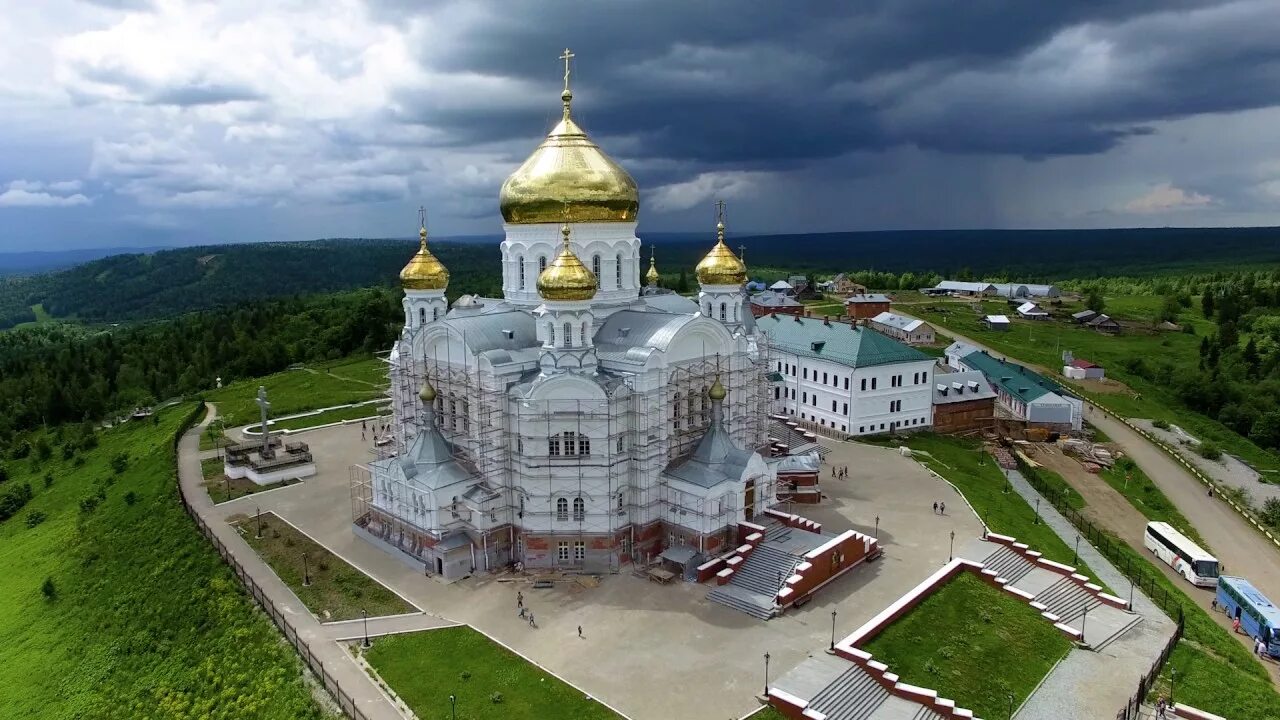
113,606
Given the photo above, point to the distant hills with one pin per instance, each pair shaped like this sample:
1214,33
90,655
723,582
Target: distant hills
141,286
26,263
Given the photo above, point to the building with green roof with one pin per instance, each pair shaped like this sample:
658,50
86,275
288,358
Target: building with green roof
846,379
1025,393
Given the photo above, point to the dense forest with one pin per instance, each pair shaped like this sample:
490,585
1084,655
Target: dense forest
60,372
133,287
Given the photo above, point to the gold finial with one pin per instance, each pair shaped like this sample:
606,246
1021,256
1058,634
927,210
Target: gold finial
428,393
717,391
422,226
721,266
566,97
720,220
652,276
564,233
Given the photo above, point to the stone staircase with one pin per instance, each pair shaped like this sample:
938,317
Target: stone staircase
1009,564
754,585
1068,600
855,695
926,713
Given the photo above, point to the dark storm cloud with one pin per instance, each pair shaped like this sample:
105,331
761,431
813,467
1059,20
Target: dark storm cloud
762,86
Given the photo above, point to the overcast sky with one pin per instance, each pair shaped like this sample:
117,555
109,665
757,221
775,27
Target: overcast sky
138,122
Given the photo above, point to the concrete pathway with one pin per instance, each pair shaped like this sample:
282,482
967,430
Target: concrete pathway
350,677
1088,685
347,630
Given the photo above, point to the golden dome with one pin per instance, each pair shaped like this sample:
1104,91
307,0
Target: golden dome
568,168
717,391
566,278
424,271
721,266
428,393
652,276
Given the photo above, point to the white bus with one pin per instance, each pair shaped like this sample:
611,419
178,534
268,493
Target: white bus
1189,559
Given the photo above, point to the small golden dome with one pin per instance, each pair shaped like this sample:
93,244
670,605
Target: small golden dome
651,277
717,391
721,266
424,271
427,393
568,168
566,278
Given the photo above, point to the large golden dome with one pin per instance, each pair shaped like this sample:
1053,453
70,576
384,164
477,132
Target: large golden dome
424,271
721,266
568,169
566,278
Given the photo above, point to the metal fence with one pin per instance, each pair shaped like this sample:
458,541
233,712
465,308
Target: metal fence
346,702
1132,710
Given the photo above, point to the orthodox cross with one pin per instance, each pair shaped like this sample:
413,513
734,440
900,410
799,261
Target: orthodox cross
422,216
264,406
566,56
719,211
742,253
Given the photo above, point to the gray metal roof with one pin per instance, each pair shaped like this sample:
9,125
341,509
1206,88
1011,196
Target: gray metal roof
633,328
961,286
866,298
901,322
715,459
429,460
506,330
774,299
961,387
672,303
612,352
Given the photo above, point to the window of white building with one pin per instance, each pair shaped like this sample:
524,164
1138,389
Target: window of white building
579,510
579,550
562,509
570,439
553,445
562,550
617,272
520,263
595,265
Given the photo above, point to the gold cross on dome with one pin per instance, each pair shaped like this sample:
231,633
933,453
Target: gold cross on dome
566,56
720,211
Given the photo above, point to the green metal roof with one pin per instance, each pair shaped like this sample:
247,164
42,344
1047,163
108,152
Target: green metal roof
836,342
1016,380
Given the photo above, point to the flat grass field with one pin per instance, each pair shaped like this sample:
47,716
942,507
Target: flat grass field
337,590
145,620
294,391
952,641
332,416
1042,342
424,668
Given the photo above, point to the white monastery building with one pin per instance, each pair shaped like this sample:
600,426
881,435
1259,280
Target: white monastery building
582,419
847,378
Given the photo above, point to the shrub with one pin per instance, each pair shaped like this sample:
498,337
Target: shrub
130,498
496,698
34,518
120,462
1162,424
1209,451
1270,513
68,451
466,675
12,500
78,462
4,474
48,480
89,504
44,451
48,589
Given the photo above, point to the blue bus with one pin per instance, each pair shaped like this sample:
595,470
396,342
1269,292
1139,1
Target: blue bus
1258,617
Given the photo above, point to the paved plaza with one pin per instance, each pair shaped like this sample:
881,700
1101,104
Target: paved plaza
655,651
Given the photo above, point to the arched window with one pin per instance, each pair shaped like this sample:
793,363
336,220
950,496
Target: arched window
584,444
583,337
568,335
435,314
422,316
562,509
617,272
542,263
595,265
707,311
551,334
620,443
723,312
520,262
579,509
569,438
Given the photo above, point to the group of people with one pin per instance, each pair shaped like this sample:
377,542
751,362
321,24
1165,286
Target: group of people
840,471
526,613
939,508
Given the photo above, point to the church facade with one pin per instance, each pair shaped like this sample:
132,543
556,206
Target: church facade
585,419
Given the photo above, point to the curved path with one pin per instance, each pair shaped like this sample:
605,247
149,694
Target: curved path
353,680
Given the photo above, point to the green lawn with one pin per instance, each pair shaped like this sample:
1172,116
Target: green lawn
1206,682
370,370
958,460
337,590
954,639
425,668
294,391
1041,343
331,416
146,620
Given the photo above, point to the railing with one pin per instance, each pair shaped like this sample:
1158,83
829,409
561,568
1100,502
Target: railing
346,702
1132,709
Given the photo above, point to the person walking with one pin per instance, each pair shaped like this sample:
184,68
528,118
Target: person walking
1160,708
519,599
942,508
531,622
579,631
522,611
1235,625
935,507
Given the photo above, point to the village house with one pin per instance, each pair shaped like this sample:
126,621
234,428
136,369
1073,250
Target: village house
1104,324
841,285
911,331
1083,370
865,306
997,322
1031,311
1023,393
956,287
775,302
1083,316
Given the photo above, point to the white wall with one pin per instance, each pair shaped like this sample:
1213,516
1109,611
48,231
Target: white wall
857,410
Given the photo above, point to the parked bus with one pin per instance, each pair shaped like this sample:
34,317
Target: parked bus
1189,559
1258,617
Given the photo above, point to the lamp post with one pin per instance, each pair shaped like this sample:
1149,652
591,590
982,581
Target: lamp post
766,674
365,615
1173,676
1084,621
1006,481
1075,556
453,707
306,572
1130,594
258,512
951,554
833,629
877,527
1037,520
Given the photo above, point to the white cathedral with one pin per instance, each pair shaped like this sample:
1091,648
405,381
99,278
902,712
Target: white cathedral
582,419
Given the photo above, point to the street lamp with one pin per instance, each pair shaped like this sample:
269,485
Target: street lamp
877,527
1075,556
766,674
1006,481
951,554
1173,675
306,572
259,514
833,629
1130,595
1037,520
365,615
1084,621
453,707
